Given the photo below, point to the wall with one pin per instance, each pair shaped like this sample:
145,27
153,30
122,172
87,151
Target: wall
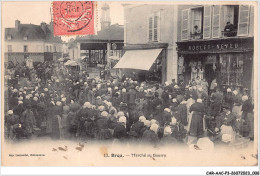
18,46
136,30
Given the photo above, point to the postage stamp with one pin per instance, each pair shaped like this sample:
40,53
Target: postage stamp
73,18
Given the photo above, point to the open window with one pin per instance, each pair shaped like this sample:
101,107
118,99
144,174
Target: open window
230,20
197,23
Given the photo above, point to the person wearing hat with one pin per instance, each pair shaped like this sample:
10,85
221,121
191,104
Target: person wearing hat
225,124
196,126
116,99
165,98
148,105
215,103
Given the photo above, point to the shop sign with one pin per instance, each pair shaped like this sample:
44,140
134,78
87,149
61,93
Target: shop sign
213,46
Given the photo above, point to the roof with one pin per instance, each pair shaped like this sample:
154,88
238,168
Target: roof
33,32
113,32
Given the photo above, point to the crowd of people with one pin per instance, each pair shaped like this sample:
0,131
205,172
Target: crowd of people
75,106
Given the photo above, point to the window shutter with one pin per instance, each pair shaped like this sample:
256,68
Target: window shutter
185,25
243,20
156,25
216,22
150,32
207,22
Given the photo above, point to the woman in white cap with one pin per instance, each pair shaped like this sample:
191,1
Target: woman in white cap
120,131
167,137
102,125
150,136
11,123
137,126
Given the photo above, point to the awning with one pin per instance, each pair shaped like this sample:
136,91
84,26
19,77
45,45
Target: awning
71,63
138,59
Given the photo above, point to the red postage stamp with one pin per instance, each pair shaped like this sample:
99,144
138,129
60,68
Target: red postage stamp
73,17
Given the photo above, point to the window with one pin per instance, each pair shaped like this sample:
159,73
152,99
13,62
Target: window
231,66
50,48
9,48
25,48
196,23
230,20
47,48
154,27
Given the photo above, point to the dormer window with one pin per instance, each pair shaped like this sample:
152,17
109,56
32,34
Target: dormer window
9,37
25,38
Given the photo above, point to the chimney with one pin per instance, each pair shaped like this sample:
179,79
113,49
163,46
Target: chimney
17,25
44,27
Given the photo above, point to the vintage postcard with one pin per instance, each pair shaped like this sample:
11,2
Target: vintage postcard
88,83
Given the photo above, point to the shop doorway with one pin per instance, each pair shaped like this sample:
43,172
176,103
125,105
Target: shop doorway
210,74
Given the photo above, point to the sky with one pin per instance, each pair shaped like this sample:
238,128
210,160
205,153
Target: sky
37,12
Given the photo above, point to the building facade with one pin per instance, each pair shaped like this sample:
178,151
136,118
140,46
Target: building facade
216,42
150,27
34,42
102,48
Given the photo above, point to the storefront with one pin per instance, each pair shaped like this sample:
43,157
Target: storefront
229,61
144,62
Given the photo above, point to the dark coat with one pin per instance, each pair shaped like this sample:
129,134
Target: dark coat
196,126
120,131
149,136
225,119
182,111
137,126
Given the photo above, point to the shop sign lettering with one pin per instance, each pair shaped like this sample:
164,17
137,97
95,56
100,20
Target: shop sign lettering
222,46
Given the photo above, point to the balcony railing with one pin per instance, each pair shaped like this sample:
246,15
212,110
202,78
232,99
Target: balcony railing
228,33
195,36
